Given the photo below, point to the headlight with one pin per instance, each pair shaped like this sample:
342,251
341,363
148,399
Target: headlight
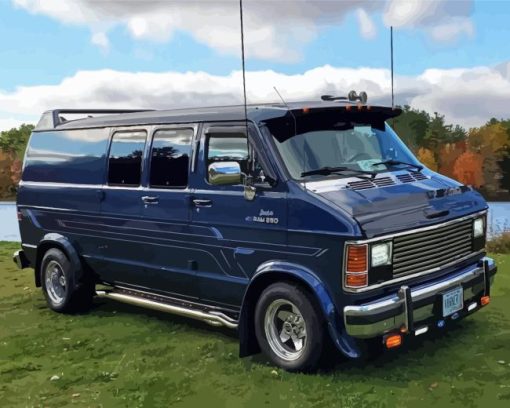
478,228
381,254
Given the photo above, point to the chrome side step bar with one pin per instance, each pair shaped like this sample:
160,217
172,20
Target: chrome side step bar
213,318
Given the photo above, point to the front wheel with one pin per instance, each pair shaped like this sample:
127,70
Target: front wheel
58,284
289,327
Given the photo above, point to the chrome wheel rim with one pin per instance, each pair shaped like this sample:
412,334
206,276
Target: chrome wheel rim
285,330
56,285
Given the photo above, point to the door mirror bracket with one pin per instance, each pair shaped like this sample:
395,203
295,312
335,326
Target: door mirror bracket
249,188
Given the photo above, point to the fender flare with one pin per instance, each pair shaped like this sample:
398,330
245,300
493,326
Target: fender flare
302,274
55,240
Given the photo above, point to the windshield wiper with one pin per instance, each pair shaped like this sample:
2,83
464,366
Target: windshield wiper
326,171
392,162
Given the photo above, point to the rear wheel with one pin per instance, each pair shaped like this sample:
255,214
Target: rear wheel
58,283
289,328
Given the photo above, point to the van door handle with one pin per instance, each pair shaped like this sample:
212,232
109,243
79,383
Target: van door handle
150,200
202,203
100,194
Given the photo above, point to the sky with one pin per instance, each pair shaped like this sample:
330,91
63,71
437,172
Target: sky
451,56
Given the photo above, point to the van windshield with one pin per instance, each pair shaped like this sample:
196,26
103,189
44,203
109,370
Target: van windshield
356,148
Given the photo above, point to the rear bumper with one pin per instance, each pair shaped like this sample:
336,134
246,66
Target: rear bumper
20,259
411,308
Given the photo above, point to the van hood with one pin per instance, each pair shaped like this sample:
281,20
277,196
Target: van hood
399,201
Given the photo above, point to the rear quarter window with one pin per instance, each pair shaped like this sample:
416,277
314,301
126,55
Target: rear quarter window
73,156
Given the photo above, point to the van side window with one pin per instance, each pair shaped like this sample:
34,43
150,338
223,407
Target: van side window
125,161
170,156
228,147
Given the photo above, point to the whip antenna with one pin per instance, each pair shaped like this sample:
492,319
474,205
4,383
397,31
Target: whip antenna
391,52
251,155
242,59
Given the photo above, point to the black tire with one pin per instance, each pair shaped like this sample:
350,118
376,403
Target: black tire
286,354
58,280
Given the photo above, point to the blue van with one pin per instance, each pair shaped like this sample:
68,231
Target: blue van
299,225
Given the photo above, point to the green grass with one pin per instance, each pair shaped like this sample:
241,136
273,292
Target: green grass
119,355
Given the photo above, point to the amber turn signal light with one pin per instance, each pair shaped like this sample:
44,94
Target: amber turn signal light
392,341
356,266
485,300
357,258
356,280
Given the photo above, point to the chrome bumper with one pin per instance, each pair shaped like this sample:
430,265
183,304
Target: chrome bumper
20,259
410,307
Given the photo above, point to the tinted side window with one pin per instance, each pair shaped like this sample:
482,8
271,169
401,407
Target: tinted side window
70,156
125,161
170,155
228,147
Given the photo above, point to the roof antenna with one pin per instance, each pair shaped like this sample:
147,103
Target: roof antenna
244,70
391,51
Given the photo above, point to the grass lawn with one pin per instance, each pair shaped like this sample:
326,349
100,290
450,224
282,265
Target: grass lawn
119,355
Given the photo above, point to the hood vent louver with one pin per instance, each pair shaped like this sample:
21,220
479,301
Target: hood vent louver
360,185
383,182
419,176
411,177
365,184
368,183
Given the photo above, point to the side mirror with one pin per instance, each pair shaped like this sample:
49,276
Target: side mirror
221,173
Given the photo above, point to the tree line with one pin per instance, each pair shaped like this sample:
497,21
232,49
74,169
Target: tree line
478,156
13,144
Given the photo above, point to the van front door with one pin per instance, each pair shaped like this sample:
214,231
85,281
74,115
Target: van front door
169,255
237,234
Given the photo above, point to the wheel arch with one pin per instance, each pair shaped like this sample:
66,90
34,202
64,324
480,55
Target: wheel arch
281,271
58,241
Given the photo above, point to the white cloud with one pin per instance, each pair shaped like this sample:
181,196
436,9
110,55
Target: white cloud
451,30
468,96
443,20
366,25
8,123
275,30
101,40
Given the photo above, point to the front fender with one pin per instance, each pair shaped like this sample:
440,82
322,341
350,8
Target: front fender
55,240
274,271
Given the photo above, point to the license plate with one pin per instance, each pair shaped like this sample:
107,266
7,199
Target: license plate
453,301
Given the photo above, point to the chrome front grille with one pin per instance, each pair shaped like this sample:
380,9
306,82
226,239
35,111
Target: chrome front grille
427,250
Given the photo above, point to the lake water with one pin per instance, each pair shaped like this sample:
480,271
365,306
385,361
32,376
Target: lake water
499,220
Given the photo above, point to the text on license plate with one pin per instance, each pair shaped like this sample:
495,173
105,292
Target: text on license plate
453,301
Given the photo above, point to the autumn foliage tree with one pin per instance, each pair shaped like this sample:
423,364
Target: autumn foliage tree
13,143
490,142
426,157
467,169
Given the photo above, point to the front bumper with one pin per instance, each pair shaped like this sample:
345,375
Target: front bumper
411,308
20,259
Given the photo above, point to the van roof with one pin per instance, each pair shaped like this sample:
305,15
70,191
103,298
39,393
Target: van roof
53,119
